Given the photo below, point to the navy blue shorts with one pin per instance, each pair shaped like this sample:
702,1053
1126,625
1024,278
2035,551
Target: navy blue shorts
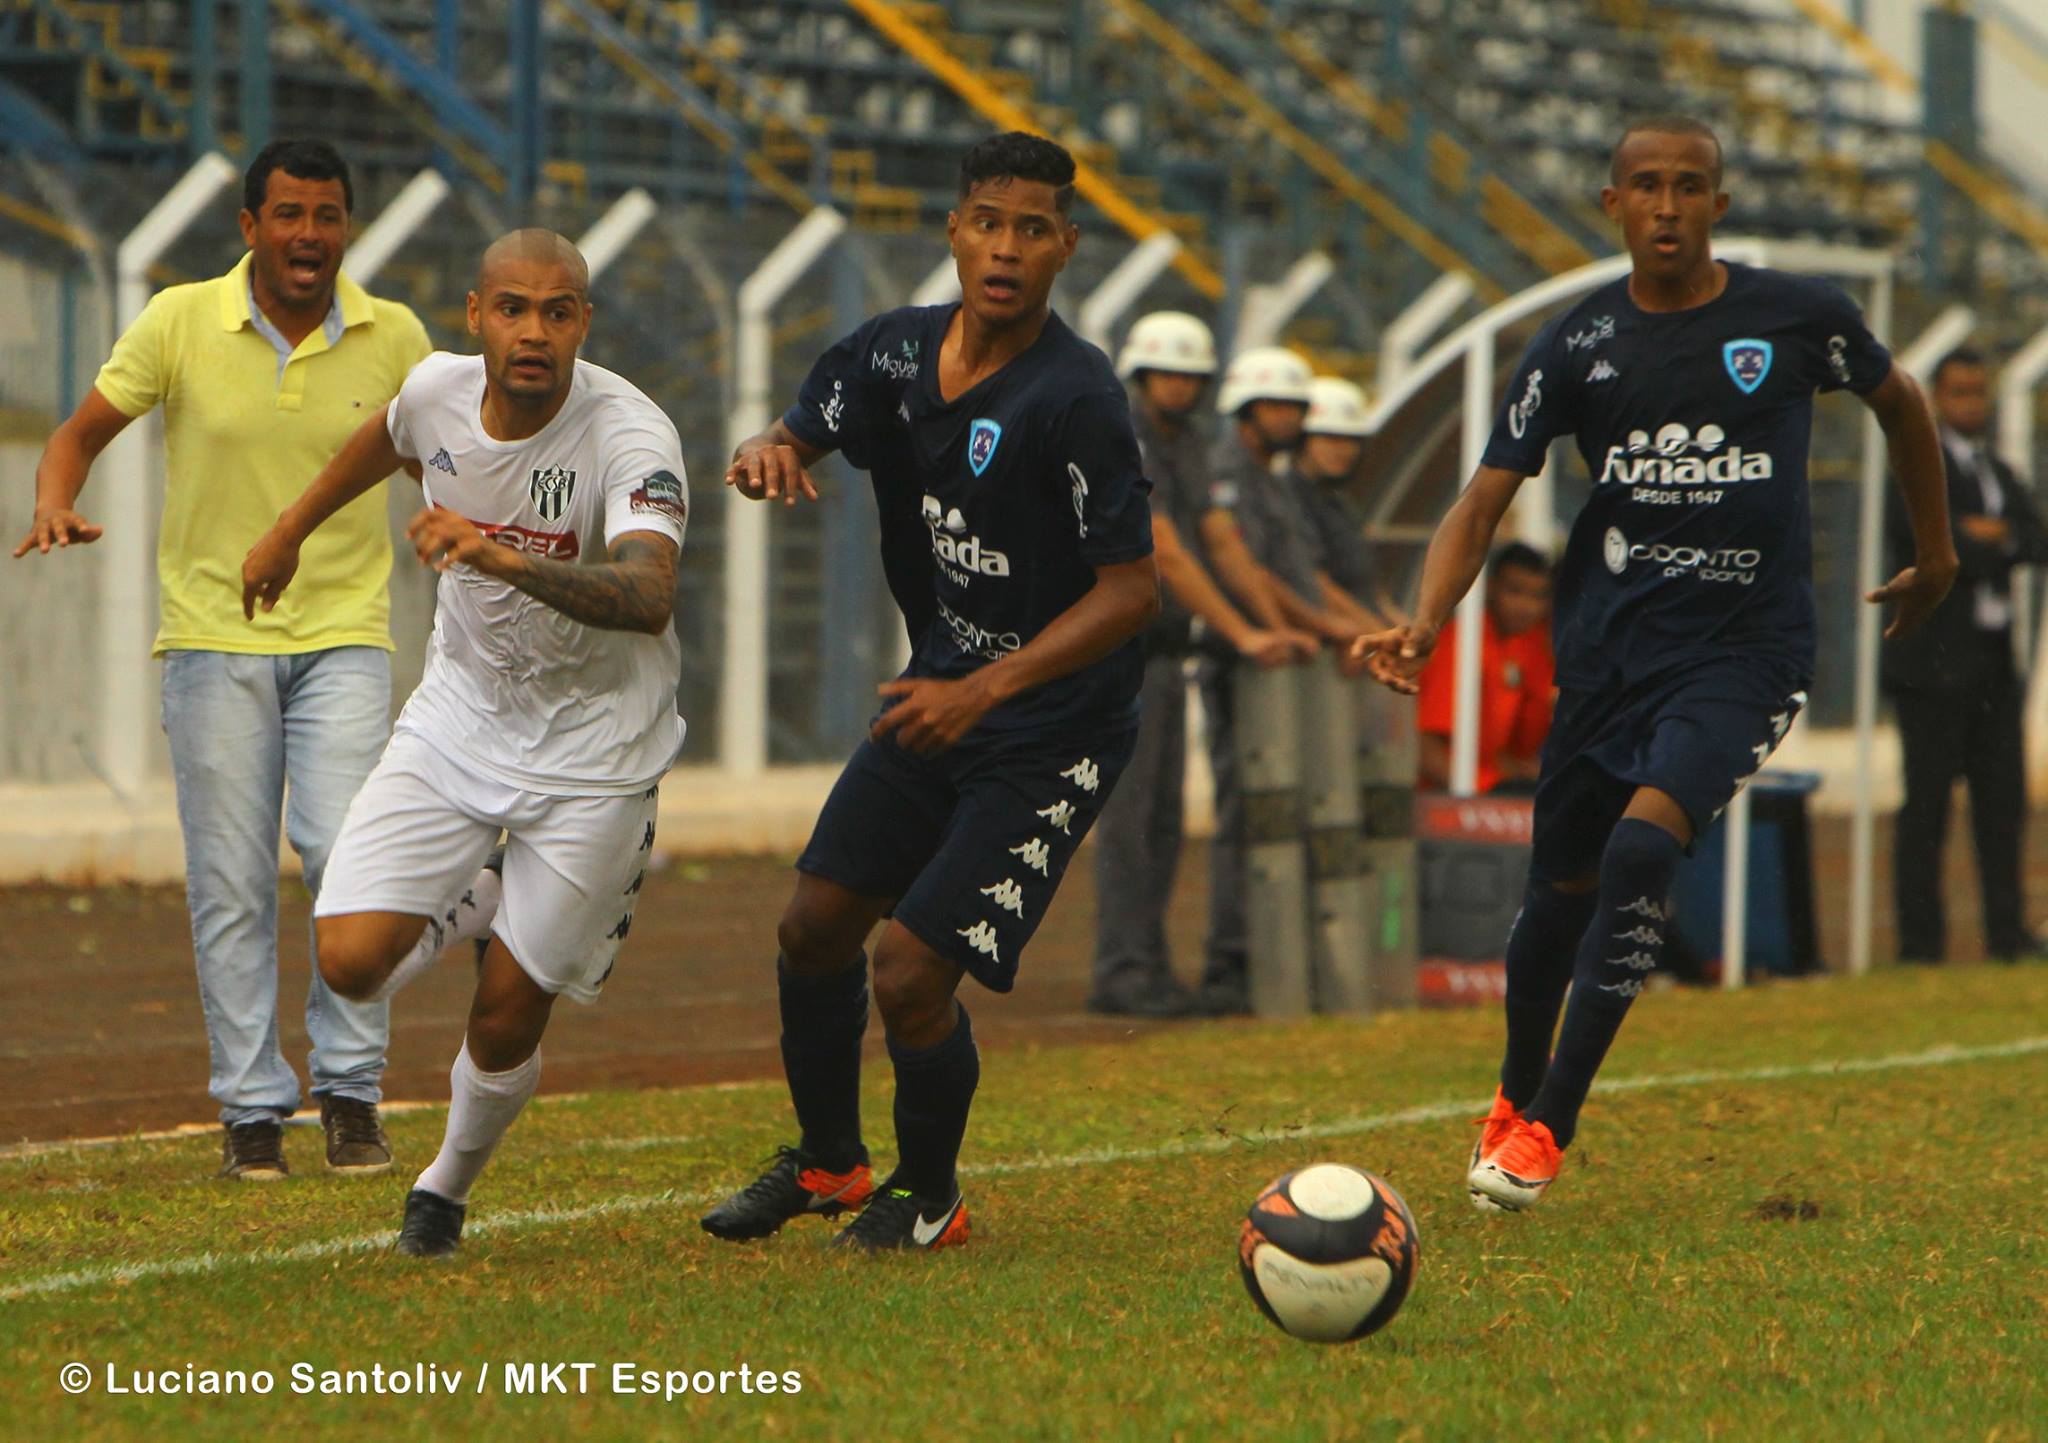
971,843
1696,735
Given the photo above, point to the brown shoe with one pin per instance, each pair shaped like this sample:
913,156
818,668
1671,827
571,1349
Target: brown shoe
253,1152
355,1136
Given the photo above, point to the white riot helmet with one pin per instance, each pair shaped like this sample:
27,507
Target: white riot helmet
1264,373
1167,341
1335,408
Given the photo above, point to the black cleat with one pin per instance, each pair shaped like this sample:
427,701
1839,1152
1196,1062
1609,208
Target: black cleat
793,1187
432,1227
896,1217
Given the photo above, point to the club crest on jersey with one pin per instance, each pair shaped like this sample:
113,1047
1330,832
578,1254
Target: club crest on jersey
1748,362
550,489
982,438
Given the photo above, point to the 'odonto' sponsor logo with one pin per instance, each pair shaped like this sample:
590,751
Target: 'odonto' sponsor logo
1723,563
1678,457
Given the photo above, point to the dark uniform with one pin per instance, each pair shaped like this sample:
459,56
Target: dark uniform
996,508
1685,617
1280,537
1137,843
1959,693
1338,531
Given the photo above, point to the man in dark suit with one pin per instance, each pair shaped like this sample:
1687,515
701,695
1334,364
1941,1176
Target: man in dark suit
1957,685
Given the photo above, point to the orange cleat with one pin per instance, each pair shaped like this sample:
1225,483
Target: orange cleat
1514,1175
1494,1127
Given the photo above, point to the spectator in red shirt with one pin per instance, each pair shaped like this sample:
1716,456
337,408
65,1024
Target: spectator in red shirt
1516,688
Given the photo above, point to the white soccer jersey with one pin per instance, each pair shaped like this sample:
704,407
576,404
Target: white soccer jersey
524,694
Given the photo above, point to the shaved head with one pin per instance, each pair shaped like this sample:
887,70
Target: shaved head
534,246
1665,125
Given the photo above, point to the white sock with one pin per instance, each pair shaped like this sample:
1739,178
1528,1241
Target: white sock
465,919
480,1107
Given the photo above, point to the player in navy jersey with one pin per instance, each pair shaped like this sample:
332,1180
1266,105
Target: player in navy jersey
1684,614
1017,541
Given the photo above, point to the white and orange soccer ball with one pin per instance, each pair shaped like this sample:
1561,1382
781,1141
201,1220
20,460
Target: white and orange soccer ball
1328,1253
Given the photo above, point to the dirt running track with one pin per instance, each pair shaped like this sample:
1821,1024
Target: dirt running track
100,1027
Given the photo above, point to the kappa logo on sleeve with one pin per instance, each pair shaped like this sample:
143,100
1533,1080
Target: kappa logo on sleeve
662,494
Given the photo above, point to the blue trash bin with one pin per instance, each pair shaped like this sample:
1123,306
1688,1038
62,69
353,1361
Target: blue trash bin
1780,933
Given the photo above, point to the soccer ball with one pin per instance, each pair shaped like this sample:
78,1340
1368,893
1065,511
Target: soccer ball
1328,1253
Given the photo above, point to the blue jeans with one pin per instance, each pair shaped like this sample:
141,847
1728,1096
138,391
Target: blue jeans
239,727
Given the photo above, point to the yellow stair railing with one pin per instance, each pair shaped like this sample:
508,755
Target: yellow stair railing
367,72
1518,220
914,30
1317,157
654,83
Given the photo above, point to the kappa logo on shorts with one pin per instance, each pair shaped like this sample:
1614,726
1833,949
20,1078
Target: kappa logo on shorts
1085,775
1060,814
551,488
982,938
1036,854
1007,895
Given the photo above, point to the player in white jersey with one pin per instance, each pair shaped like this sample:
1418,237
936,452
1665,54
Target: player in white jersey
555,509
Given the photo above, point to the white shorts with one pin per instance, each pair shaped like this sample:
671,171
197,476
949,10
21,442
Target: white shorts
422,825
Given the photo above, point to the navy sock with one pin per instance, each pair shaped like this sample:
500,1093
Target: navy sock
1619,953
934,1089
824,1017
1542,947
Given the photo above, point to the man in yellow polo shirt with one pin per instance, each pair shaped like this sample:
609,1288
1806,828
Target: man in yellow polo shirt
262,374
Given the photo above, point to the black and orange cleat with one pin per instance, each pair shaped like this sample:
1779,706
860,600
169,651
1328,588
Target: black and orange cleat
794,1186
896,1217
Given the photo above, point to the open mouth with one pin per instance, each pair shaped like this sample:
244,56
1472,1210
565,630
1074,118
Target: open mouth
1665,244
532,367
305,269
1001,288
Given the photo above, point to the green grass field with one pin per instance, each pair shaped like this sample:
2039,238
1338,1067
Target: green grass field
1804,1211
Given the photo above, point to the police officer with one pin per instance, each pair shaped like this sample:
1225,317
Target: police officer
1168,361
1333,444
1262,546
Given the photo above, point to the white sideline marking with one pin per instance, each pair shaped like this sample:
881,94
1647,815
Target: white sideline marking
513,1222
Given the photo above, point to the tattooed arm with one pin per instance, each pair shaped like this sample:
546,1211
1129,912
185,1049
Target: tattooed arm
634,590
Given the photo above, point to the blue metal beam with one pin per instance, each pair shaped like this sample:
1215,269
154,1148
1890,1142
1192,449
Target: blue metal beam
26,126
526,119
451,109
255,75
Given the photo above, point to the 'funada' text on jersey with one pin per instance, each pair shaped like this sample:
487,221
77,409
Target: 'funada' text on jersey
1694,426
996,506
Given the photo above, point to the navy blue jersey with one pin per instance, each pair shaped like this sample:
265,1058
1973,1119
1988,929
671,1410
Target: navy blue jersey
996,506
1695,427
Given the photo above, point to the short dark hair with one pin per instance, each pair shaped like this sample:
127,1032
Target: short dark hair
1020,155
1670,123
301,159
1961,356
1518,553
